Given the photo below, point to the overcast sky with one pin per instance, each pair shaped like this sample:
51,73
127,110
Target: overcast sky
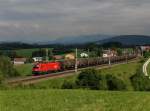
41,20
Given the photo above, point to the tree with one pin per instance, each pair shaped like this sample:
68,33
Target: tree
6,68
119,52
100,52
140,82
93,79
112,45
1,77
88,79
43,53
146,54
50,54
39,53
9,53
68,85
91,46
95,50
114,83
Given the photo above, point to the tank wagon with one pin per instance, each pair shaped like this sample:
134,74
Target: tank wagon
48,67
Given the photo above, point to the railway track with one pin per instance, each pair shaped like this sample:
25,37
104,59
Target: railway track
35,79
145,65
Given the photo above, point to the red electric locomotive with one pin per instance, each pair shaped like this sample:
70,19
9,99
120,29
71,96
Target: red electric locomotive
46,67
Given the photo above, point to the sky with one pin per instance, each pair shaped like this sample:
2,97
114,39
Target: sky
46,20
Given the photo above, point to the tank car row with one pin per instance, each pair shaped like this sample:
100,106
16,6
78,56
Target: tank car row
48,67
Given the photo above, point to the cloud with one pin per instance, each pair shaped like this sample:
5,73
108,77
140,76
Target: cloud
44,20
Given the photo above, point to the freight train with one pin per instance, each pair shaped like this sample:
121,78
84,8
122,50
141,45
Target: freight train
48,67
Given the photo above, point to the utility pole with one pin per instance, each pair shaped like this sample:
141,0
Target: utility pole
126,52
47,55
88,56
109,58
76,60
142,50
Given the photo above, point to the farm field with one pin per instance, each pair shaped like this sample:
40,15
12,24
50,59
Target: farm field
24,52
27,52
73,100
124,72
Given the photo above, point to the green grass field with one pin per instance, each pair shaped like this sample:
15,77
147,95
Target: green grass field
73,100
27,52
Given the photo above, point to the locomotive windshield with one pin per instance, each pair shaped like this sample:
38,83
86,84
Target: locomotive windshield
36,66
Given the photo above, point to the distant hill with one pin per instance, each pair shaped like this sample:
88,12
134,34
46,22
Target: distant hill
128,40
100,39
78,39
14,45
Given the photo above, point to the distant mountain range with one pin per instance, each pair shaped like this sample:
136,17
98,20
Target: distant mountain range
128,40
78,39
100,39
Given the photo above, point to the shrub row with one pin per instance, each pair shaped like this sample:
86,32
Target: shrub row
93,79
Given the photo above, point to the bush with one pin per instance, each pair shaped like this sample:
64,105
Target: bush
119,52
140,82
29,60
6,68
68,85
1,77
142,60
92,79
88,79
146,54
114,83
103,82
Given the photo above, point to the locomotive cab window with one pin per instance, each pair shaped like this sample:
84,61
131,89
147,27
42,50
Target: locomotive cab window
36,66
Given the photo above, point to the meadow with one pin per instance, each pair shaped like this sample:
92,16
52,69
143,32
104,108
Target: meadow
73,100
27,52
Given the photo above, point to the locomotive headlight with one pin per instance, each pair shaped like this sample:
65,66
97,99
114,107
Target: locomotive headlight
55,66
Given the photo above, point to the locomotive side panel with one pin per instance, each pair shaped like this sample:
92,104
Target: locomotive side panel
46,67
